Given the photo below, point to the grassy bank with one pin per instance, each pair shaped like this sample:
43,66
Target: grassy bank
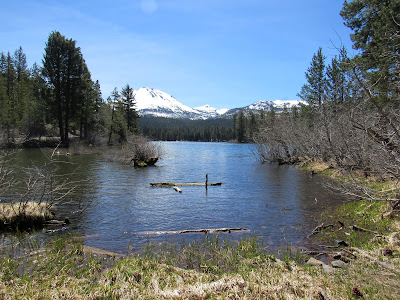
65,269
24,215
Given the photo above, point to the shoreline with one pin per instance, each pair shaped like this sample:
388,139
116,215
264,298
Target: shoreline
360,244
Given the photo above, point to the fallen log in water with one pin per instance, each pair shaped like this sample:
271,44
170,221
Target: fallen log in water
171,184
213,230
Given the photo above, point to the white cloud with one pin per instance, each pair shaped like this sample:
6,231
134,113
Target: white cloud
149,6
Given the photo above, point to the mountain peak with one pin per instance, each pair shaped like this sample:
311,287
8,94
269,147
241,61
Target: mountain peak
157,103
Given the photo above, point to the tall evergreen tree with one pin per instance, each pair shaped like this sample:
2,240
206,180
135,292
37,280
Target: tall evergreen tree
313,90
3,90
376,27
241,127
113,102
63,67
11,105
336,78
37,109
20,64
23,98
128,101
252,125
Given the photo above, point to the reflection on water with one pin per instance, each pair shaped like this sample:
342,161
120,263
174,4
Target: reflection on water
277,203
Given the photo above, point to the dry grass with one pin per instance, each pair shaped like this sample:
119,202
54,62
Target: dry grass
319,166
65,271
12,214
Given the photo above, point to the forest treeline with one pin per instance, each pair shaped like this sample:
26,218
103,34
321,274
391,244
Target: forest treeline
168,129
60,99
353,116
241,128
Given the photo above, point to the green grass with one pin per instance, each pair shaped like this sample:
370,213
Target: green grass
361,214
210,269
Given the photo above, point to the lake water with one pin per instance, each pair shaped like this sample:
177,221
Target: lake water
279,204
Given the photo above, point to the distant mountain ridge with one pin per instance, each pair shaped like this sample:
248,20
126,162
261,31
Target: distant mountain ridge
266,105
153,102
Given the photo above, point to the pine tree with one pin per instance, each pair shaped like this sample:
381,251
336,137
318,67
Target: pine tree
10,120
241,127
113,102
128,101
252,125
313,91
3,91
336,79
37,110
375,25
63,66
23,98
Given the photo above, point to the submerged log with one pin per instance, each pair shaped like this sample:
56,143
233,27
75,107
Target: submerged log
171,184
229,230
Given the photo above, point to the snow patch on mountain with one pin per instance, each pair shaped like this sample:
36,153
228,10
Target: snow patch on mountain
211,111
265,105
276,104
160,104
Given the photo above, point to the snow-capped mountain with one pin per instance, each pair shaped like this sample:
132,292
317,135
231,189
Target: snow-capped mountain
211,111
266,105
275,104
160,104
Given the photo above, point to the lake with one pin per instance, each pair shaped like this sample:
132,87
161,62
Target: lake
279,204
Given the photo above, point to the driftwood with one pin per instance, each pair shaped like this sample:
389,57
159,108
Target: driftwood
213,230
171,184
177,189
357,228
375,260
319,228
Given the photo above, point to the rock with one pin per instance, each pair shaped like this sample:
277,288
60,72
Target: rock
140,163
314,262
57,222
356,292
54,223
341,243
388,252
328,269
144,163
338,264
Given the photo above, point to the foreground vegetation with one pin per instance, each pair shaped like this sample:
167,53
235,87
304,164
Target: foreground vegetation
66,269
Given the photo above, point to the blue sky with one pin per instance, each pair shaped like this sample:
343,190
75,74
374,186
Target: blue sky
226,53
